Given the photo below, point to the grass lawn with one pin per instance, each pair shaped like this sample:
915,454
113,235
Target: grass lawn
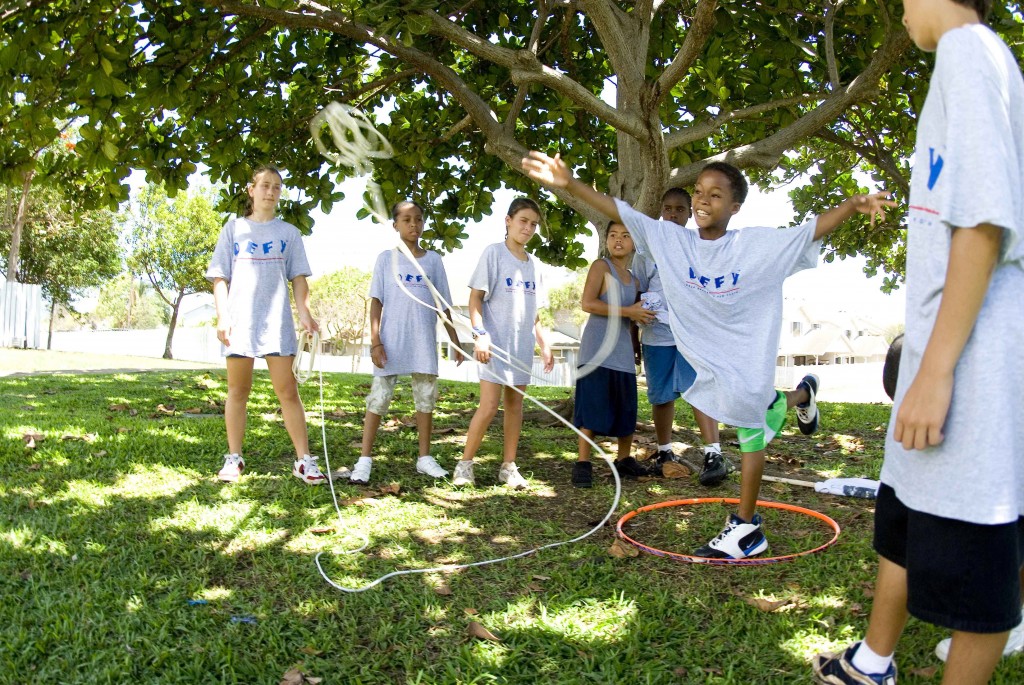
122,559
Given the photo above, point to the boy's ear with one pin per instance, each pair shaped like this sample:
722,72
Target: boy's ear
735,207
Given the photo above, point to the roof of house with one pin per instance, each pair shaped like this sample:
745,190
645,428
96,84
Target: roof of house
829,339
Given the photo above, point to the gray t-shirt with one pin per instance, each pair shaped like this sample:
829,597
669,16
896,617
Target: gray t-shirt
657,334
258,260
621,356
512,294
968,169
725,306
408,329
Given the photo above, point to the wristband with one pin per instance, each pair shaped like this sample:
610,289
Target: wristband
373,347
478,332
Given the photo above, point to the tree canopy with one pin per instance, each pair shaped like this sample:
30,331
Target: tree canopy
636,95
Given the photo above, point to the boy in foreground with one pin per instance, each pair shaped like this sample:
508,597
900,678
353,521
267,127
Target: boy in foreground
949,529
724,294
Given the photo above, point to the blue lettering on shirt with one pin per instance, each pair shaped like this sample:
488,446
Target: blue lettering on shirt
284,244
719,281
519,283
236,249
251,247
934,167
267,247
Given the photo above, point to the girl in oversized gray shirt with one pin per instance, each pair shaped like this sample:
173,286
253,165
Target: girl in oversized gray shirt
255,258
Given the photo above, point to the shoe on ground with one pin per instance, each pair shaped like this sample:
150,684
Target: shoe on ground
631,468
1014,643
838,669
714,469
429,466
361,471
308,471
463,474
807,413
510,476
233,467
583,474
738,540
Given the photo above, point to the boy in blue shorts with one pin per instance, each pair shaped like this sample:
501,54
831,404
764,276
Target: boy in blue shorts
949,521
663,363
724,296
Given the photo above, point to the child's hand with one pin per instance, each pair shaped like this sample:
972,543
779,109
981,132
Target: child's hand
460,356
224,332
548,357
638,313
308,323
923,411
546,170
482,348
379,355
872,205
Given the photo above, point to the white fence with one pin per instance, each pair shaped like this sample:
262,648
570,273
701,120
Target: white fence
23,316
842,383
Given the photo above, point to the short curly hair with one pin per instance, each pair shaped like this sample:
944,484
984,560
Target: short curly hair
735,176
982,7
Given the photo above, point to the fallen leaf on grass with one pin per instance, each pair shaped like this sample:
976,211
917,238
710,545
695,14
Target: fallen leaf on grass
443,431
391,489
535,587
321,530
194,410
312,651
31,439
680,672
168,410
542,577
478,631
101,453
767,605
118,407
443,590
122,429
88,437
470,611
622,550
35,467
671,469
926,672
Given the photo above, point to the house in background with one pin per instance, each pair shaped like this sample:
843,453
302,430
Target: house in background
815,335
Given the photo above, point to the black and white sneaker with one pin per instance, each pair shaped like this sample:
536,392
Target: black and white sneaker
714,469
807,413
738,540
838,669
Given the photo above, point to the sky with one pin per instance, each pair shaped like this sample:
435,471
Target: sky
340,240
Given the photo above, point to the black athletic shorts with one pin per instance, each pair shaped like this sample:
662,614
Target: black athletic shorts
961,576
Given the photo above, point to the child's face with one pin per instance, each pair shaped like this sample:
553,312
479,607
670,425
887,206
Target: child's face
676,208
265,191
523,225
618,242
713,204
917,17
409,223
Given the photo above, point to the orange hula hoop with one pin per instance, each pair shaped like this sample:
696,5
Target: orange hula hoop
753,561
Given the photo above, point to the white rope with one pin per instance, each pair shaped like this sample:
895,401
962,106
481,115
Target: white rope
357,142
310,344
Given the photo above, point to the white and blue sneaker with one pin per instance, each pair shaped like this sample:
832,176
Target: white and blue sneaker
807,413
838,669
738,540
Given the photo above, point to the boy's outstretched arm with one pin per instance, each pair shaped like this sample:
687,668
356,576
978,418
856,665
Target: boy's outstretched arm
972,258
871,205
553,173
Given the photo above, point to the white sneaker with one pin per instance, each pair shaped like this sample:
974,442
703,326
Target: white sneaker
308,471
232,469
1014,643
463,474
361,471
429,466
510,476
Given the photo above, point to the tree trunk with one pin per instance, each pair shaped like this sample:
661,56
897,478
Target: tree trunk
53,315
19,224
172,324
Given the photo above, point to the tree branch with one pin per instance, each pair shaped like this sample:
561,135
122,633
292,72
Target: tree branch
610,23
765,153
830,51
696,38
703,130
533,46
